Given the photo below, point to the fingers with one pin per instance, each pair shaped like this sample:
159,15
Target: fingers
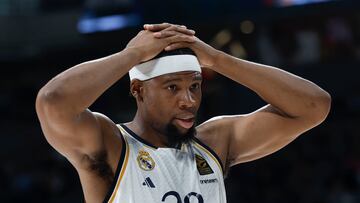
175,40
177,45
158,27
165,33
168,33
166,29
180,38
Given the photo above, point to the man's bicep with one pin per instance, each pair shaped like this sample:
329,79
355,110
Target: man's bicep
262,133
74,137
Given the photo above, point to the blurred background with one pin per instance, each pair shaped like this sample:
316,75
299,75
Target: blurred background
316,39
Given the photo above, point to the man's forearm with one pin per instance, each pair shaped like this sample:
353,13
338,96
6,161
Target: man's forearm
77,88
289,93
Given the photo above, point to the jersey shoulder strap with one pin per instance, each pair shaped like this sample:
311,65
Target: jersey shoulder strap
121,167
199,144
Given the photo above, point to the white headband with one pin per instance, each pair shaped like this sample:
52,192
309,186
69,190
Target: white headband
164,65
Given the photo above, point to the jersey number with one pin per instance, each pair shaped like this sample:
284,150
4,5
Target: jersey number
186,199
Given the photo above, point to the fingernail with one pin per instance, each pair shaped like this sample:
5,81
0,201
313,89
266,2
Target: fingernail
157,34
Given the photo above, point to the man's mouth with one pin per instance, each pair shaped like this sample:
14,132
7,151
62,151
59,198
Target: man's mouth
185,122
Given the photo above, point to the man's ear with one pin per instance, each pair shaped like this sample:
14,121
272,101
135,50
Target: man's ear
135,88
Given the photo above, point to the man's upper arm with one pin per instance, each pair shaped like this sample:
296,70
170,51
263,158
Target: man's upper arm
74,137
261,133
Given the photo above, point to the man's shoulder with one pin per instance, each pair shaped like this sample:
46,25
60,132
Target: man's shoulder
215,133
108,126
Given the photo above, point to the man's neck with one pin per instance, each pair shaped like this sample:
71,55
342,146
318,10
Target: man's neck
140,127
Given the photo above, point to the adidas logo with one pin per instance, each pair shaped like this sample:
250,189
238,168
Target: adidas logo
148,183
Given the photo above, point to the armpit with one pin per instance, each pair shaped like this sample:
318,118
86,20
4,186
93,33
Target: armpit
100,166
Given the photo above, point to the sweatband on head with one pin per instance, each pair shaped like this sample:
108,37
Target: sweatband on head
164,63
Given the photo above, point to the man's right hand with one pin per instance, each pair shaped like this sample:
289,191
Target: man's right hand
148,45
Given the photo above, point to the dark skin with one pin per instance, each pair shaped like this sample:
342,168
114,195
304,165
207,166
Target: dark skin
182,93
91,141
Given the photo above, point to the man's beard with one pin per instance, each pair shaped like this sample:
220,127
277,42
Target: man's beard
175,138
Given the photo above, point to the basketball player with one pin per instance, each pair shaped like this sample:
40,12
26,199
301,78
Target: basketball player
161,156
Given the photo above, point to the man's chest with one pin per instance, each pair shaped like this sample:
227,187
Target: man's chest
163,175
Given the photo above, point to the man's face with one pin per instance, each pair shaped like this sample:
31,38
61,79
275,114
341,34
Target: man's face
170,103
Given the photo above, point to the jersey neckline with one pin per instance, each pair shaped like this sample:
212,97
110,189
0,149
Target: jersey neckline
195,139
134,135
145,142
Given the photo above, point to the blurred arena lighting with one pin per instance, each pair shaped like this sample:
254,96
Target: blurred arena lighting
247,27
285,3
221,39
91,24
237,49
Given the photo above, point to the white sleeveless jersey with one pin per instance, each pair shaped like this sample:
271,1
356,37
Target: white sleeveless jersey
146,174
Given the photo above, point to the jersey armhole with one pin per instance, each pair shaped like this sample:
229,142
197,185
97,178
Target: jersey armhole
120,168
207,148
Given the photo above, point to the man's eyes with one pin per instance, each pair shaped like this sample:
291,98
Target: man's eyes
172,88
195,86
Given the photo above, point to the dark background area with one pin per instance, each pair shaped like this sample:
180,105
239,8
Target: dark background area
320,42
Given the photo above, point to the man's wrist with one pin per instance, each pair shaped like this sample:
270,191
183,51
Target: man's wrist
134,54
218,56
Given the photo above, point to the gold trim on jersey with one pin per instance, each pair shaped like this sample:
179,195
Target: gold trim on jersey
210,154
123,168
137,138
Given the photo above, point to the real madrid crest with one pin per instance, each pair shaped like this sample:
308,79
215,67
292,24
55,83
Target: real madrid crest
145,161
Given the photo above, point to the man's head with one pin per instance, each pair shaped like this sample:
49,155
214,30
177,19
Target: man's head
168,98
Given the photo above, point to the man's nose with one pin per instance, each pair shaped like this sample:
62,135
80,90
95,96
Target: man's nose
187,100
